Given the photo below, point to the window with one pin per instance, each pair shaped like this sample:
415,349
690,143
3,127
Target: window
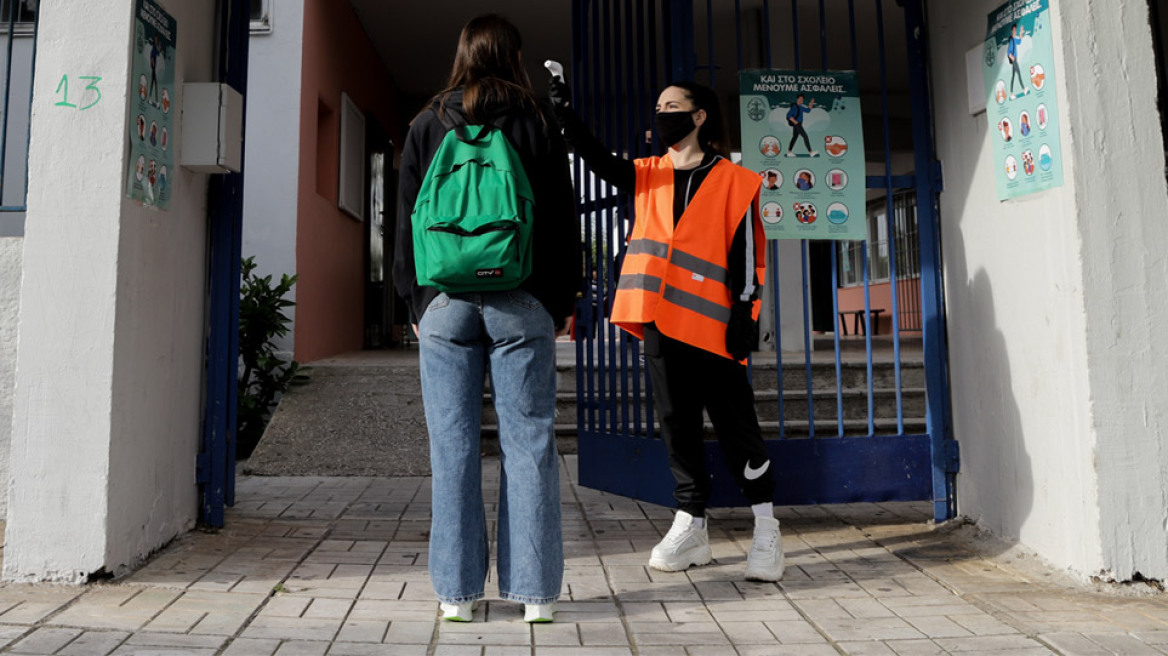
261,16
21,14
880,247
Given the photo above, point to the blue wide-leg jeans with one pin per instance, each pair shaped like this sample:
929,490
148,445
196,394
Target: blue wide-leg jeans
457,336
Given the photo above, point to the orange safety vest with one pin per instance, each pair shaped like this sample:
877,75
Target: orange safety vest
678,277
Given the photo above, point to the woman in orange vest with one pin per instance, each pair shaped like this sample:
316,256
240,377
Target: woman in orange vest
689,288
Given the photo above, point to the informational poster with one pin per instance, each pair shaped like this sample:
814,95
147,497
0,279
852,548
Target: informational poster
152,106
802,132
1022,106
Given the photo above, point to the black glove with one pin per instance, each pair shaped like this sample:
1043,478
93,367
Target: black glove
742,331
559,93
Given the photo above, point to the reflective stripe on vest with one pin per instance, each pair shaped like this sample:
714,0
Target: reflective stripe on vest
677,276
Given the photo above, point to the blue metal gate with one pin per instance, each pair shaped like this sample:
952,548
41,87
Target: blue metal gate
215,472
858,419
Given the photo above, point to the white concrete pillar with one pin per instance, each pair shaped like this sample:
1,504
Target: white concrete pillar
1120,192
1055,300
109,366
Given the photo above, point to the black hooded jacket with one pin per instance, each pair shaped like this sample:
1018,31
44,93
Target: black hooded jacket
556,274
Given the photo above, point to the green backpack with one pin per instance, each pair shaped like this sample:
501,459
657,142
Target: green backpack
472,221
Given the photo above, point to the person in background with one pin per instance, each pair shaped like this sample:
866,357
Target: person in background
689,287
511,333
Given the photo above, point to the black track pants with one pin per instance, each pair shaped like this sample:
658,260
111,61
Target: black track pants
687,379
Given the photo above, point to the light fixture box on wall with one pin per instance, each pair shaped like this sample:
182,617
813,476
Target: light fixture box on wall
212,128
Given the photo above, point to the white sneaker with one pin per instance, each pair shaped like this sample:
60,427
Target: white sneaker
539,613
765,561
458,612
814,153
684,545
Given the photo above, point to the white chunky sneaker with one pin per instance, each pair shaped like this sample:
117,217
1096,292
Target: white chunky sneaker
683,546
539,613
458,612
765,561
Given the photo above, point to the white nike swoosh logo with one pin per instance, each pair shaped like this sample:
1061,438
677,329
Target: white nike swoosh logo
751,473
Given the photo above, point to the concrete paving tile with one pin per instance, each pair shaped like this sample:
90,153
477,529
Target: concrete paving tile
559,634
284,605
795,633
292,628
359,649
939,627
867,648
394,610
864,608
174,640
382,590
458,650
982,624
682,612
786,650
411,633
27,604
328,608
637,612
1152,637
822,589
362,631
884,628
496,650
46,640
302,648
125,608
585,651
1003,644
218,613
600,634
928,606
1123,643
10,633
251,647
1076,644
748,633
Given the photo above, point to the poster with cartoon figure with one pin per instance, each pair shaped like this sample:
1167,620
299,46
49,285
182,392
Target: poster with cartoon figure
802,132
151,105
1022,107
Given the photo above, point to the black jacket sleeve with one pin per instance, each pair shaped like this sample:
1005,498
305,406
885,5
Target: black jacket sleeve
421,143
614,170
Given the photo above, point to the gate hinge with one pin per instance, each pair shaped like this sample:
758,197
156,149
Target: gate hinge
938,179
202,468
952,457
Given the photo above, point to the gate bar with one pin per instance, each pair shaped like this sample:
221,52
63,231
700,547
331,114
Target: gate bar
933,332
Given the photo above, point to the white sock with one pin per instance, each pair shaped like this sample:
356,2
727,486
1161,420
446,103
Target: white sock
765,509
699,522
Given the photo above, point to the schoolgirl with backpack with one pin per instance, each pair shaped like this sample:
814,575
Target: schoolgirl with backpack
488,258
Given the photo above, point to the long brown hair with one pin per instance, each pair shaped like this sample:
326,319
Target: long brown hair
487,68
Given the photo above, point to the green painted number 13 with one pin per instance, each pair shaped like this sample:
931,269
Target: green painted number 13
63,89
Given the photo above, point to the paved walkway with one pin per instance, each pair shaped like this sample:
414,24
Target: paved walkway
313,566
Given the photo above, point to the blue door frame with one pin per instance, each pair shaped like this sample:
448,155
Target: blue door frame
215,471
624,51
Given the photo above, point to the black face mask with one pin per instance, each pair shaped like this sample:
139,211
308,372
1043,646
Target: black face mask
672,127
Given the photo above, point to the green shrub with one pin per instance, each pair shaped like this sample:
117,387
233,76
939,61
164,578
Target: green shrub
263,374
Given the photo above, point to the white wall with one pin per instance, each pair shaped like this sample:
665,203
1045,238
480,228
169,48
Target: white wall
1057,383
273,148
109,368
1122,204
11,249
